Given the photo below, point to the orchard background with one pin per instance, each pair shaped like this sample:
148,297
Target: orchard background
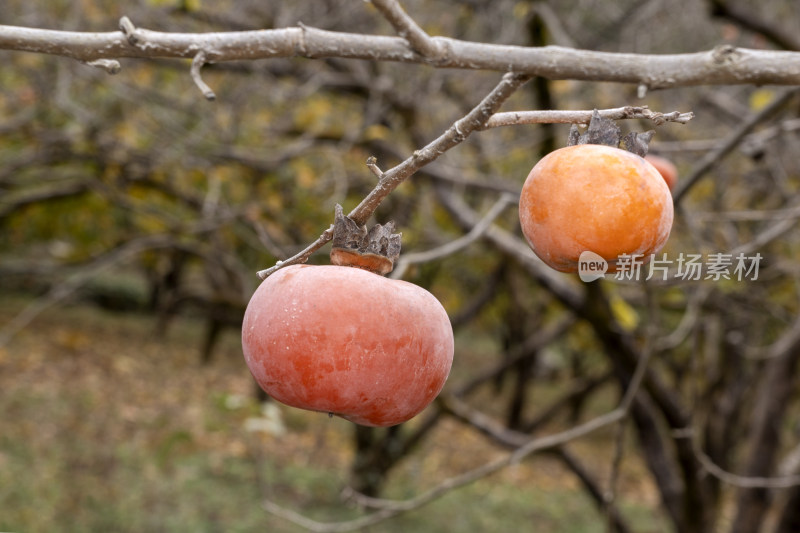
134,215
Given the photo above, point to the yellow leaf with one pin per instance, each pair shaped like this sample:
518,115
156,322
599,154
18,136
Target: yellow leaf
377,132
625,315
760,99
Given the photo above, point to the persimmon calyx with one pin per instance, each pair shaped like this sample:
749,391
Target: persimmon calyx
375,250
605,131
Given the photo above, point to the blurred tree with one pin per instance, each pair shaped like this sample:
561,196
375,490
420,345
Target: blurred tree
136,173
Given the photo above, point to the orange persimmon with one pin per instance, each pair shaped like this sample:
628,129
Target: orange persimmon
665,167
597,198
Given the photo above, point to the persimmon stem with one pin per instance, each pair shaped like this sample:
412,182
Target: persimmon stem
375,250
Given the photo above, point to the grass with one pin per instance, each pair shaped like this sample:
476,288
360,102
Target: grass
107,427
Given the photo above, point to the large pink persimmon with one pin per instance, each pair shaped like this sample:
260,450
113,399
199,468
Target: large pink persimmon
342,340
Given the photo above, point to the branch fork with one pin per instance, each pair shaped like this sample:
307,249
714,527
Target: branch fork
129,30
433,50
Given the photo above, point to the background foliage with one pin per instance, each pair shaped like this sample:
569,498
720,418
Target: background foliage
134,193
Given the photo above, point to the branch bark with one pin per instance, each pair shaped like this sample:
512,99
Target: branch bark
722,65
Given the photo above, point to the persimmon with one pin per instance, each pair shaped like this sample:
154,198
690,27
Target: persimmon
665,167
592,197
347,341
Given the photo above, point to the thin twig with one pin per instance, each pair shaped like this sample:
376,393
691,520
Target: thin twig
745,482
197,63
408,29
456,134
111,66
730,143
688,321
514,118
454,246
392,508
392,178
302,256
66,287
372,165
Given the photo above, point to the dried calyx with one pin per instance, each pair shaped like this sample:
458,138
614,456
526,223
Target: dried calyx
605,131
375,250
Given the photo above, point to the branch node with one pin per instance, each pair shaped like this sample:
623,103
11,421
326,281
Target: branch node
197,63
129,30
111,66
372,165
301,48
723,53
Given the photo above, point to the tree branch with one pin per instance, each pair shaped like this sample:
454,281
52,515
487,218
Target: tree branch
753,19
583,117
454,246
409,30
744,482
723,65
522,449
731,142
393,177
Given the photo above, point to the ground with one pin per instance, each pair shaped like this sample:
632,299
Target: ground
107,426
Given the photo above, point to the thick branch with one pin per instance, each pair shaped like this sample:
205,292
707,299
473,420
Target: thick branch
723,65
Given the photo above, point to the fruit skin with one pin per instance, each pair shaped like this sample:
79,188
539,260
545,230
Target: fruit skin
597,198
665,167
346,341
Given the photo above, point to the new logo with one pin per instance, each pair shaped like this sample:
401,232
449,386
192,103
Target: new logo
591,266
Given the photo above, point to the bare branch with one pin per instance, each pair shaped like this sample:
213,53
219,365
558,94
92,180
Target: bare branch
455,245
67,286
128,30
372,165
522,450
746,482
456,134
725,65
111,66
753,19
731,142
409,30
393,177
555,27
583,117
197,63
688,321
561,287
301,257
